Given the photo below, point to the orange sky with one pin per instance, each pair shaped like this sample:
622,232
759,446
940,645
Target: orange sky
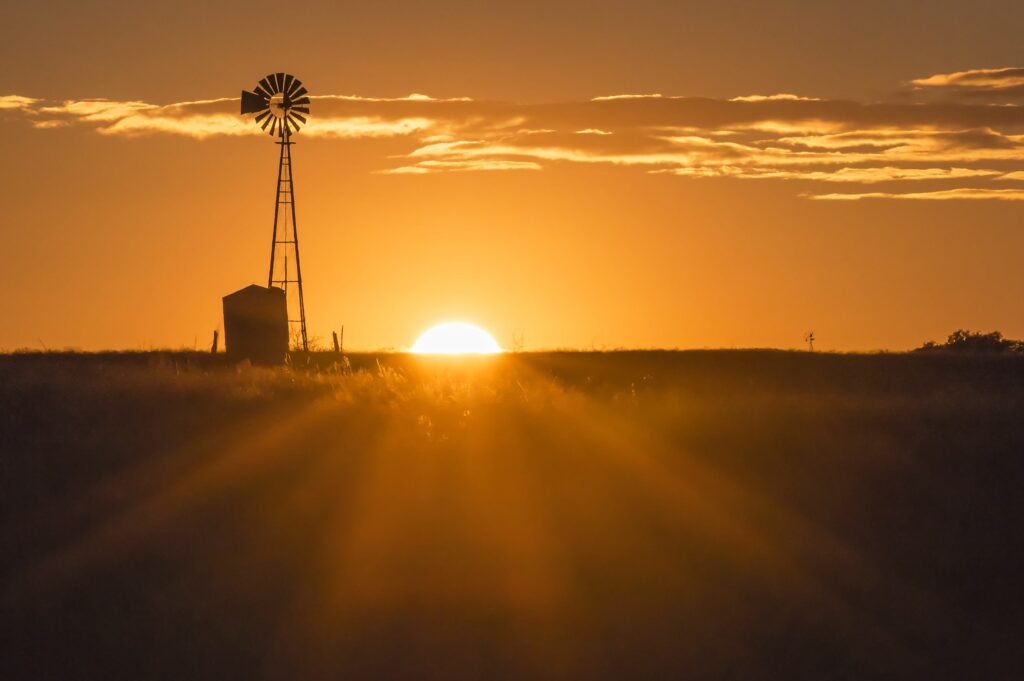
855,169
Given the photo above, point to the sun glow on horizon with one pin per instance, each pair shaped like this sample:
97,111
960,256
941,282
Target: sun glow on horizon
455,338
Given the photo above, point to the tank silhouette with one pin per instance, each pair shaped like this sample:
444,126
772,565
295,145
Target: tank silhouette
256,325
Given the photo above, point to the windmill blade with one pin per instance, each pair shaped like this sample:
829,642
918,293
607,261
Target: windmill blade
279,77
295,122
261,92
300,100
267,86
266,122
294,88
300,92
252,102
262,116
303,109
295,115
273,127
288,78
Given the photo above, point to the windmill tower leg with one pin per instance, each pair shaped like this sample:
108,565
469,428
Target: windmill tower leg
284,244
298,264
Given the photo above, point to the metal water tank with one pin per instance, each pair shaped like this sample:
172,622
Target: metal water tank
256,325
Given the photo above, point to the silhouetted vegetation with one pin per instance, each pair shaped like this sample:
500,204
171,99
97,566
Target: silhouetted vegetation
962,340
628,515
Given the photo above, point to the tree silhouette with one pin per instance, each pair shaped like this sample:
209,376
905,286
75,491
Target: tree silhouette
963,340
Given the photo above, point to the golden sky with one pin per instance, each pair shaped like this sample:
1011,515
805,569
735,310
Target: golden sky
593,174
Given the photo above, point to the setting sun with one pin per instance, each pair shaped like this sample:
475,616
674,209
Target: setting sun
455,338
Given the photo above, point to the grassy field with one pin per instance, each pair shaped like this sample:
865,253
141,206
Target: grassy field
634,515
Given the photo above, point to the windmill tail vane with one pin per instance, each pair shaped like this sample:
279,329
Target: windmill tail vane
281,107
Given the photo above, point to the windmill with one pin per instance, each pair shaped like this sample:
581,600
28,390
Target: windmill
809,339
281,105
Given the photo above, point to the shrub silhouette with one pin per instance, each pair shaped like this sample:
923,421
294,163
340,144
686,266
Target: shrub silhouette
963,340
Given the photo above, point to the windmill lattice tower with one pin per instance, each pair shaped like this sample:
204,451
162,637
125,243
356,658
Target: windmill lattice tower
281,105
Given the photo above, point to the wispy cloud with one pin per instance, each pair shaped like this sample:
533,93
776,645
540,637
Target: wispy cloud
422,167
975,78
365,126
1001,84
203,119
608,98
864,175
781,97
97,110
16,102
774,137
970,193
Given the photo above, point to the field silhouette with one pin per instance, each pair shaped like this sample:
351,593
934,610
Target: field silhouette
627,515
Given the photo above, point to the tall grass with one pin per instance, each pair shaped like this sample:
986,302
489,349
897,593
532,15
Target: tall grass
559,515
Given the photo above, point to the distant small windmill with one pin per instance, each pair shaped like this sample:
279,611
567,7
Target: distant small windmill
809,339
281,104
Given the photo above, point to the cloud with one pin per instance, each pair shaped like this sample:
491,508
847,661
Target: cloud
16,102
781,97
607,98
1002,84
889,174
975,78
208,118
198,126
414,97
97,110
865,175
970,193
428,166
782,137
365,126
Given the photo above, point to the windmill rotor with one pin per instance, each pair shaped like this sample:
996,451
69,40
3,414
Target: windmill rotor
280,102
